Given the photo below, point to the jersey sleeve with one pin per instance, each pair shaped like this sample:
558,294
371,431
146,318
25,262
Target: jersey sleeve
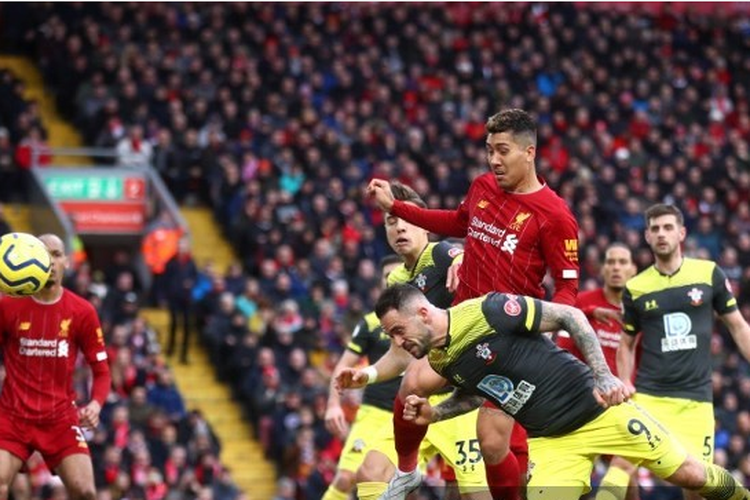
510,313
630,324
444,255
724,300
361,338
443,222
559,245
91,343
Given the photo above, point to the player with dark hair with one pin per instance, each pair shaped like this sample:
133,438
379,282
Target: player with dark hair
516,229
41,337
670,306
492,347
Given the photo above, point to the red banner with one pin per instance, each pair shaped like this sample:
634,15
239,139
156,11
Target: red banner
99,217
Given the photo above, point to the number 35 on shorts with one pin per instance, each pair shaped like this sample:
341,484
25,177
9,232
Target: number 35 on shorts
468,453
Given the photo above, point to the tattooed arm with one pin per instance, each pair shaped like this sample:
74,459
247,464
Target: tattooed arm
419,411
608,389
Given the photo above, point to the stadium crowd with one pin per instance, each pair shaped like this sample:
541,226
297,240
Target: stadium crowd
276,116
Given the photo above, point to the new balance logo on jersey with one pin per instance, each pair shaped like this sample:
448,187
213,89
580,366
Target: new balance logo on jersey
483,204
44,348
650,305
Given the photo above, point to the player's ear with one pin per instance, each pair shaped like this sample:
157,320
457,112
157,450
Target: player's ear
530,153
423,313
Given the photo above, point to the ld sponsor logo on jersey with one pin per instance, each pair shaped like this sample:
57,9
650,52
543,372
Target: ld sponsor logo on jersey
510,398
677,328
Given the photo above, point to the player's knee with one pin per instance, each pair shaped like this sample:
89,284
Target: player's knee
375,468
344,481
692,474
493,432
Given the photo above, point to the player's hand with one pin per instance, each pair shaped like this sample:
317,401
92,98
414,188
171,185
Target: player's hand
451,280
606,315
349,378
336,422
417,410
379,191
88,416
610,390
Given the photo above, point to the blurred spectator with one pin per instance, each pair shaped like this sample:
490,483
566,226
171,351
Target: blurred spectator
134,150
180,275
164,395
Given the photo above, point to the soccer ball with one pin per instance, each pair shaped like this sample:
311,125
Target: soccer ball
24,264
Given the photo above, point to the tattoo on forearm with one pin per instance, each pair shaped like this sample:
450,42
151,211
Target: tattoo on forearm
583,334
458,404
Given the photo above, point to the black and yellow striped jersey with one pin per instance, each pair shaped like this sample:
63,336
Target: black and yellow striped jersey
430,273
368,339
494,350
676,316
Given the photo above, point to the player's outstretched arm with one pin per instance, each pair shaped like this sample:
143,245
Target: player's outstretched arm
608,389
391,365
334,417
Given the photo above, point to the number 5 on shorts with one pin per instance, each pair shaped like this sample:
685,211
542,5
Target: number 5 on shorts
708,449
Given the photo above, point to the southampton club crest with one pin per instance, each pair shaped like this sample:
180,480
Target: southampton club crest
696,296
484,352
420,281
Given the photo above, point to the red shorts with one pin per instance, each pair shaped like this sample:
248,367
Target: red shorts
54,440
518,442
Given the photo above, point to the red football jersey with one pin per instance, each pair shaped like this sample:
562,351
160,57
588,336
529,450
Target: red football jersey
511,240
40,344
607,333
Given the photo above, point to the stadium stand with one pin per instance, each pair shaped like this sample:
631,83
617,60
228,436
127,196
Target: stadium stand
276,115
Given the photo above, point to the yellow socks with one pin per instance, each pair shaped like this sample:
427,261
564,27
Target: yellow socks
370,490
721,485
614,485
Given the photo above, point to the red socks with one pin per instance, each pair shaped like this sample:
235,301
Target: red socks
408,438
504,478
